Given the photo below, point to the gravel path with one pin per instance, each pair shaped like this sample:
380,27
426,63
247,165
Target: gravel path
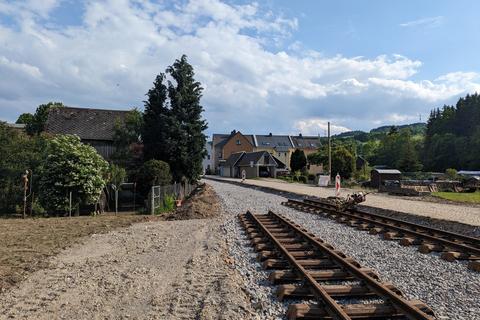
450,289
464,214
156,270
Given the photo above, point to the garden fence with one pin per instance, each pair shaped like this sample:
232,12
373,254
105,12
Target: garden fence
157,194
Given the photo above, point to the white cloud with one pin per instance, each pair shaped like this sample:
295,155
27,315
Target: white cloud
430,22
317,127
111,60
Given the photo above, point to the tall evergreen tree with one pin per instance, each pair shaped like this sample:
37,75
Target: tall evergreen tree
156,135
173,124
188,125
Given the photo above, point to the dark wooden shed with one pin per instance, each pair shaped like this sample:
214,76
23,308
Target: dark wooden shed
378,176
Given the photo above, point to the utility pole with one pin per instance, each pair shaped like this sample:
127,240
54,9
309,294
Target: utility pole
329,154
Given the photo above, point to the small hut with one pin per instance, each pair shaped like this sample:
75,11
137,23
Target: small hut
378,176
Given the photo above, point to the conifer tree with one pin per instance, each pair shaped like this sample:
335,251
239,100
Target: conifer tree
188,126
173,124
156,122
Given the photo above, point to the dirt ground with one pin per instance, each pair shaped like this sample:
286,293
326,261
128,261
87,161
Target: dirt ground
26,245
201,205
152,270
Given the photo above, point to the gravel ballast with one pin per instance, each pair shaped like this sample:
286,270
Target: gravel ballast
449,288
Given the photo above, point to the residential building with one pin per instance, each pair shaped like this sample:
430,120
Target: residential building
207,160
279,146
309,144
252,164
95,127
224,145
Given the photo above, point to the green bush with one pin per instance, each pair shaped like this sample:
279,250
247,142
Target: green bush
451,174
168,205
71,166
153,173
18,152
302,179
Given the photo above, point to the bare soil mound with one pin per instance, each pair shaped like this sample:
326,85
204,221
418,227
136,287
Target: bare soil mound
202,204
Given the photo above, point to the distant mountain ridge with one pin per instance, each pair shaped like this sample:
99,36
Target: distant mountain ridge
416,128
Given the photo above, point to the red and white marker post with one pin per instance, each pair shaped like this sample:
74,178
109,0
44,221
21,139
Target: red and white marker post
337,185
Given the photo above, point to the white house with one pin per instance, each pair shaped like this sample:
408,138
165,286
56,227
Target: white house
207,161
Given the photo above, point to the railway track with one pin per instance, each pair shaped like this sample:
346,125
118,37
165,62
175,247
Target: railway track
336,286
452,246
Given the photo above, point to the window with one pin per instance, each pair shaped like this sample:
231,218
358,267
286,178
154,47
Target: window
238,142
208,157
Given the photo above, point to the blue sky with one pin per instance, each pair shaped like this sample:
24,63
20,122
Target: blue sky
268,66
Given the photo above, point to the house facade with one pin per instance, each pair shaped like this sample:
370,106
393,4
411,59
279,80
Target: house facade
251,164
207,160
280,147
95,127
224,145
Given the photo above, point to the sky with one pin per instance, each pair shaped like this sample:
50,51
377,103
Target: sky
279,66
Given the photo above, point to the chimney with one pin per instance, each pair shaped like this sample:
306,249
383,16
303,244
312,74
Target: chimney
233,131
300,135
270,134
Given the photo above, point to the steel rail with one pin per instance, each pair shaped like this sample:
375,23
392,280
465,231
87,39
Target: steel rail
447,243
334,309
410,311
447,234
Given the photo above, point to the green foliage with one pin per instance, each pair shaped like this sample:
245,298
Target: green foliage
25,118
153,173
116,175
302,179
298,161
127,139
19,152
128,131
343,159
173,124
451,174
453,136
168,205
399,150
39,119
71,166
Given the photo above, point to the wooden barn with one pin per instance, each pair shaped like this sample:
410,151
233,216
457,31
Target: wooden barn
95,127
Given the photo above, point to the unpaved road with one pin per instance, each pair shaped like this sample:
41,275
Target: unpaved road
466,214
152,270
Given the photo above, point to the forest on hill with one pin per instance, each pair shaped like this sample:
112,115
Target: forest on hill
449,139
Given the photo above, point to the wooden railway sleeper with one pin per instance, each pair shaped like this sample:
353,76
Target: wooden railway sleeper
409,310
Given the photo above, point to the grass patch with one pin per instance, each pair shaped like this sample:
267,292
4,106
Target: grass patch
472,197
27,244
